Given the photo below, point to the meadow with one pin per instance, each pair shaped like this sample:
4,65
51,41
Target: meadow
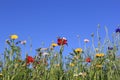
96,62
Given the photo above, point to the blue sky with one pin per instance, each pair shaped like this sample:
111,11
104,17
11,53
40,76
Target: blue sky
44,20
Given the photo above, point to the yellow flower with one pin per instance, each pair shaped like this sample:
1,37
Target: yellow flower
54,44
13,37
82,74
72,64
78,50
1,74
99,66
57,65
16,65
100,55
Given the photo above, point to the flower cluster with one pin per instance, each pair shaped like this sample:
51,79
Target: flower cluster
83,63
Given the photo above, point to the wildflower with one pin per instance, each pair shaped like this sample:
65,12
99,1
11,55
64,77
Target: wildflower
78,50
55,55
30,59
61,41
45,54
57,65
117,30
100,55
16,65
110,48
75,75
83,74
23,42
80,73
1,74
72,64
99,66
13,37
88,59
54,44
86,40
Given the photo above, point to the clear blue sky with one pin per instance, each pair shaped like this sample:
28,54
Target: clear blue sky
43,20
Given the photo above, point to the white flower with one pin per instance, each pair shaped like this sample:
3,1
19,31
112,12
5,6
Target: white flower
23,42
75,75
86,40
45,54
80,73
55,55
64,38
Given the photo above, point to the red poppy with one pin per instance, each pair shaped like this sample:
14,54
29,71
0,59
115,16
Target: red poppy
88,59
30,59
61,41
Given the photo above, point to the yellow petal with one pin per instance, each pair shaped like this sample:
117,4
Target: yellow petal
13,37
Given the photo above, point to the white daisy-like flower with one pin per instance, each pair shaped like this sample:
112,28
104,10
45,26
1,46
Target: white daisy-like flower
86,40
64,38
75,75
23,42
45,54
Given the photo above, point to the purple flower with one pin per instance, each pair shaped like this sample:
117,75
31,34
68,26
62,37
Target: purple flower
117,30
110,48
